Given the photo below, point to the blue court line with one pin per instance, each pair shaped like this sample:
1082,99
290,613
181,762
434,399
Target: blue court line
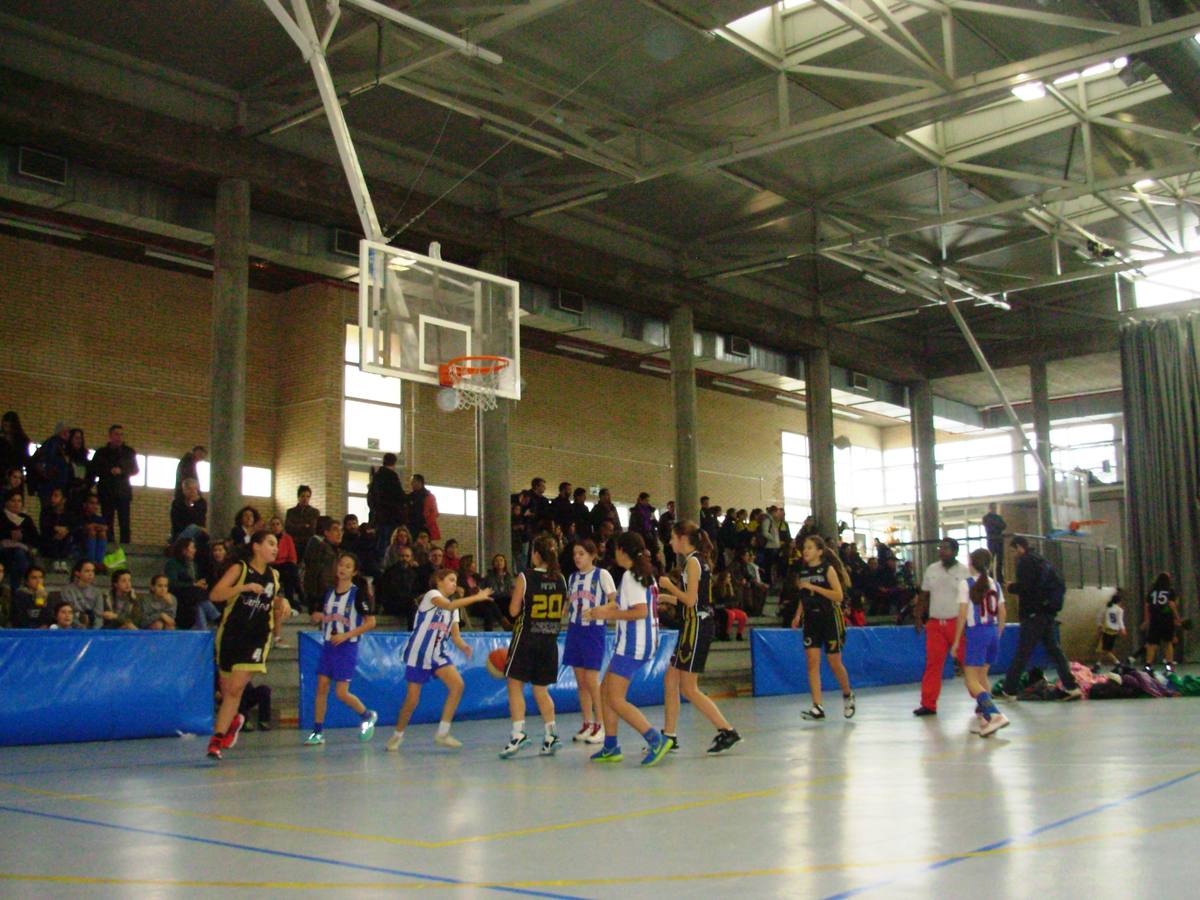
250,848
1005,842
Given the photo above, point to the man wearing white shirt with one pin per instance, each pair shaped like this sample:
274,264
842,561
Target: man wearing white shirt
938,599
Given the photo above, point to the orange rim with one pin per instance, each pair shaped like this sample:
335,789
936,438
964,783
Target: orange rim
454,370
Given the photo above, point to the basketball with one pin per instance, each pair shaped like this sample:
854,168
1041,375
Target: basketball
496,662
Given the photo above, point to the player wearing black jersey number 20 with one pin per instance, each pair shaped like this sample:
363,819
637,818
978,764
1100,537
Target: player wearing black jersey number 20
695,636
821,579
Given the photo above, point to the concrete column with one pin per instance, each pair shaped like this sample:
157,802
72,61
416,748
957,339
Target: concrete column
227,422
495,466
1039,386
682,334
818,398
924,440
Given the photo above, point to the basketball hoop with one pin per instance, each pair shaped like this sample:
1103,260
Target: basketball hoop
475,380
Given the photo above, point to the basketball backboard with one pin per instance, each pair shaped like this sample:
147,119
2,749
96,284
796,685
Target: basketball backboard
416,312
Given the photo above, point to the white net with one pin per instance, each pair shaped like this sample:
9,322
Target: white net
475,386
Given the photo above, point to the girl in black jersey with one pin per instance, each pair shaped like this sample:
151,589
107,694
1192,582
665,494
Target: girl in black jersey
1160,618
696,633
820,581
537,607
248,591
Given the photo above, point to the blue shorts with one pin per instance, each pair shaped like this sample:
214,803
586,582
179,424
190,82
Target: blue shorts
417,675
338,663
585,646
625,666
983,645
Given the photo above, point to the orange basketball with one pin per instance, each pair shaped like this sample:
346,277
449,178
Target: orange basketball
496,662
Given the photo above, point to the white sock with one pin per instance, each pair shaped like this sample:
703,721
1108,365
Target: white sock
399,734
551,728
443,728
518,728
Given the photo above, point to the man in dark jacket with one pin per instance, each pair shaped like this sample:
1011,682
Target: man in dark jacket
400,587
187,468
605,511
995,526
1038,610
386,499
112,467
581,516
320,562
560,507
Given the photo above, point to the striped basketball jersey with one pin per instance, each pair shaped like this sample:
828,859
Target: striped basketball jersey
542,607
637,638
344,612
426,645
588,591
985,613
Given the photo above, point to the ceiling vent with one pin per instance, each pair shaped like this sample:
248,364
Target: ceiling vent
859,382
41,166
570,301
737,346
345,243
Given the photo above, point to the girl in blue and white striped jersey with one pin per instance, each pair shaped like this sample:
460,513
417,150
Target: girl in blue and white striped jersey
635,611
588,588
425,654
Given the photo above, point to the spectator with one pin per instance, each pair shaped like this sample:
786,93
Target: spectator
808,529
666,521
14,443
188,468
561,507
31,603
79,481
219,559
451,560
534,509
749,587
123,609
19,538
768,535
64,617
189,513
710,522
581,516
422,509
386,499
113,465
1042,591
83,595
400,540
301,520
500,581
641,517
256,696
158,610
56,531
399,586
605,511
939,600
994,526
726,610
5,600
434,561
193,608
883,553
286,561
48,467
320,562
245,523
91,535
421,548
14,480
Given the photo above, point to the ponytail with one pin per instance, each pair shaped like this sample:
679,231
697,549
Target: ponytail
547,550
981,562
697,538
632,545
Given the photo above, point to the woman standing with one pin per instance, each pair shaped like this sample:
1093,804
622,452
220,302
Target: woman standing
588,588
981,619
820,582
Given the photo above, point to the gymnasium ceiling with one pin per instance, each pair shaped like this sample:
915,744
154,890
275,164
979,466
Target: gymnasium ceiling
831,168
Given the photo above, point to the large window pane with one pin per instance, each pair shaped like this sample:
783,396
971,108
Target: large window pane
368,426
160,472
366,386
256,482
450,501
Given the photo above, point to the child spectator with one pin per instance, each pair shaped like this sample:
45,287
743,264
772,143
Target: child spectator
158,610
726,612
31,604
56,531
64,617
91,536
83,595
123,610
193,608
1110,627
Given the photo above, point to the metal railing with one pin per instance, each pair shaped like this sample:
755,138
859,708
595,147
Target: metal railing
1081,565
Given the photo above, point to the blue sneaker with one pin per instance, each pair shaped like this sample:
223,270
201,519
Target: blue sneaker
605,755
657,752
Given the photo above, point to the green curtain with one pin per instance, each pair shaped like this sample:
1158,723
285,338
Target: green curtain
1160,369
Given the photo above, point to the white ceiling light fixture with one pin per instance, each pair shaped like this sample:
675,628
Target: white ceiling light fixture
843,414
567,204
581,351
41,229
788,398
179,260
529,143
1032,90
731,386
884,283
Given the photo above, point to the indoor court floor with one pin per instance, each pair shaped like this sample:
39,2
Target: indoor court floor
1092,799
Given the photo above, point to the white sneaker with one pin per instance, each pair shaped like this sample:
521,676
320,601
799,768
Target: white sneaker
515,743
976,724
994,724
596,735
550,745
447,740
582,733
394,742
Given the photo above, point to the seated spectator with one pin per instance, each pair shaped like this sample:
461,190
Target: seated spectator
286,561
187,468
31,603
83,595
399,586
401,538
362,541
5,601
64,617
123,608
79,479
193,608
725,608
450,557
245,523
14,480
189,513
301,520
434,560
14,443
220,557
421,547
18,538
56,531
158,610
256,696
91,534
500,581
320,562
748,585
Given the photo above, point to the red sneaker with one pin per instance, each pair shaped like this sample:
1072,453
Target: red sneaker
214,747
582,733
235,728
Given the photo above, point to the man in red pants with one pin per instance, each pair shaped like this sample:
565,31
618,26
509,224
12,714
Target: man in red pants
939,600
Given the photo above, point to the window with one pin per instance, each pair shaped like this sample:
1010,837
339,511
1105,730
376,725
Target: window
975,467
797,482
899,476
452,501
256,482
858,475
160,472
1165,283
357,482
372,418
1091,447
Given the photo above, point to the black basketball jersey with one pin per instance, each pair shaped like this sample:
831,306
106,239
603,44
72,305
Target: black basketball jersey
248,616
816,575
704,588
1160,603
542,608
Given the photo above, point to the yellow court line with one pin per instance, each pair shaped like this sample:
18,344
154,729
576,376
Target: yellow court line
1037,845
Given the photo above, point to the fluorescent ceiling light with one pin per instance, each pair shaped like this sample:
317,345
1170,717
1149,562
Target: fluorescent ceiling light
884,283
180,260
843,414
401,263
41,229
731,386
1144,184
581,351
657,368
1032,90
788,398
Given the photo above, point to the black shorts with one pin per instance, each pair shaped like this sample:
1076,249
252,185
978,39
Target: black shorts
695,638
242,652
1108,641
533,659
824,630
1161,631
